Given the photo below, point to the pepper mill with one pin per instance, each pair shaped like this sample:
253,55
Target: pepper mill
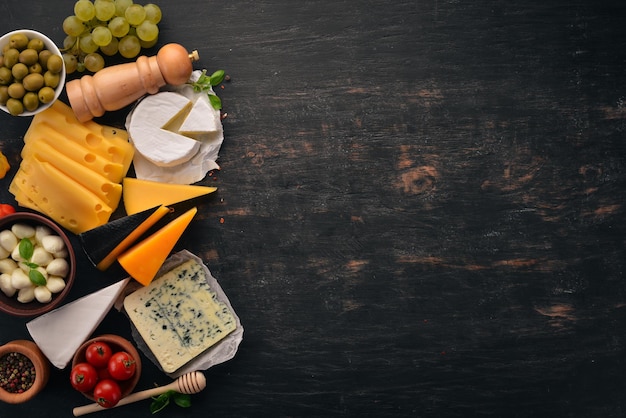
117,86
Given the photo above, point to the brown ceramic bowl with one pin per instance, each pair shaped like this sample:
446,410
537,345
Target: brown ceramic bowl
40,363
11,305
116,343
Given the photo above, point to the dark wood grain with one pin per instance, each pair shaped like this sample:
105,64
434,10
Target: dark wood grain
422,206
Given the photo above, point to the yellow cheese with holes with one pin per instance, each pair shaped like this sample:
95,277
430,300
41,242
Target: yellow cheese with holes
99,185
71,171
140,195
105,141
67,202
143,261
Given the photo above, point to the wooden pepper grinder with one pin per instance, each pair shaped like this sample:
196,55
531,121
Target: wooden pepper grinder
117,86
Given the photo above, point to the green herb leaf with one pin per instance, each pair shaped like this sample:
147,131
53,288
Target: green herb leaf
215,101
160,402
182,399
31,265
217,77
26,248
37,278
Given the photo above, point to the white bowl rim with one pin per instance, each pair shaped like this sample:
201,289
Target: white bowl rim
50,45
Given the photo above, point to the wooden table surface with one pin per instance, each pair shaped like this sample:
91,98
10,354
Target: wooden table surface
422,205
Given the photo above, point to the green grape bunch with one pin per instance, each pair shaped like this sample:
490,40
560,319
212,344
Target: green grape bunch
107,27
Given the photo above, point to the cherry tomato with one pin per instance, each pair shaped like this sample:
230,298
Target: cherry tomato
122,366
107,393
98,354
6,209
83,377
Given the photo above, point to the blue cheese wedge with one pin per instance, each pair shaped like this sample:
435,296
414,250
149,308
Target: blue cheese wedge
179,316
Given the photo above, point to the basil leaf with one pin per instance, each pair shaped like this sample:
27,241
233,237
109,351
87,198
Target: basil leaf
217,77
26,248
182,399
31,265
215,101
37,278
160,402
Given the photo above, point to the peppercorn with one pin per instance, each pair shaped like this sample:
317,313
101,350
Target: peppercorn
17,373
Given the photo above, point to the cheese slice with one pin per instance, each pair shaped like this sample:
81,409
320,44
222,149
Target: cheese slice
68,203
139,195
105,243
110,192
201,120
60,332
112,171
143,260
179,316
107,142
152,129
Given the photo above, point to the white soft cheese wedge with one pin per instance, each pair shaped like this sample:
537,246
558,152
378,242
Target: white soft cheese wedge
60,332
202,120
153,125
179,316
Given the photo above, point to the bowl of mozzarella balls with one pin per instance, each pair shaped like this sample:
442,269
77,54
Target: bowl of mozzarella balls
37,264
32,72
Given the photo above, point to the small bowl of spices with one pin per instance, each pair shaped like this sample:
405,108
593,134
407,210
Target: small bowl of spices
24,371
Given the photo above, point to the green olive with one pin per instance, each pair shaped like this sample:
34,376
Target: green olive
11,57
43,57
33,82
46,94
19,71
31,101
35,68
15,106
36,44
16,90
4,95
29,56
6,77
51,80
18,41
55,64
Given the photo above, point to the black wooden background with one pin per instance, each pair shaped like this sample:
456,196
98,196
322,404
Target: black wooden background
422,204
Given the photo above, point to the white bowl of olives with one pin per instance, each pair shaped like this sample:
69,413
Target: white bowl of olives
32,72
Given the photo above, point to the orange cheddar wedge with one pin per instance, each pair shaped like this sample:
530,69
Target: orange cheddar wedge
140,195
143,261
105,243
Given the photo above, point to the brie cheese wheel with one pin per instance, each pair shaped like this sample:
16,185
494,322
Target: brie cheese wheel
153,129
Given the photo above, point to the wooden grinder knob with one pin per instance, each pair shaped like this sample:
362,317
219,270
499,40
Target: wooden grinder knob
117,86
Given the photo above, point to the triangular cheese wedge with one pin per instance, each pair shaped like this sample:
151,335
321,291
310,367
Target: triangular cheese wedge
201,119
60,332
144,260
140,195
105,243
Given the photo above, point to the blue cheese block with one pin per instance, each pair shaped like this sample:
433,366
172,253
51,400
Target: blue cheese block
179,316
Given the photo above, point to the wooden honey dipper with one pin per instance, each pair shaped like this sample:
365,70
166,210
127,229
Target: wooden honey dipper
117,86
188,383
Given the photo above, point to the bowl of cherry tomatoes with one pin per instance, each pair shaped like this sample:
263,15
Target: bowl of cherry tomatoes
105,369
